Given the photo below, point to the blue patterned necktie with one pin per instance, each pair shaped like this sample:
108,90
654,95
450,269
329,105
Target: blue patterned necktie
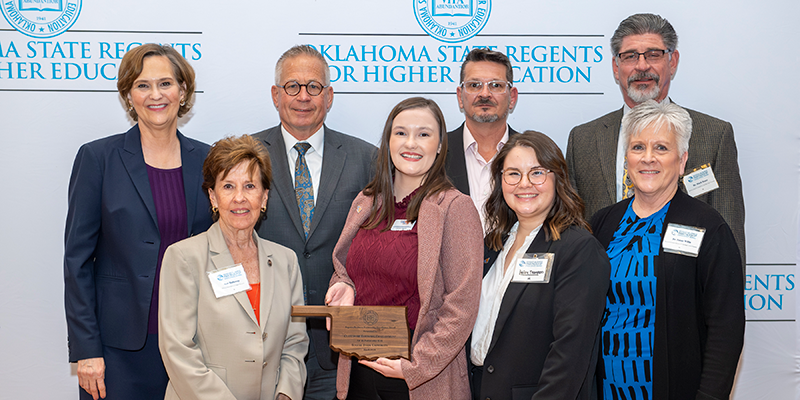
303,189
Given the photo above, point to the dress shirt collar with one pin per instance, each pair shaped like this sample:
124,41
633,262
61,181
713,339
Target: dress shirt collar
469,141
316,141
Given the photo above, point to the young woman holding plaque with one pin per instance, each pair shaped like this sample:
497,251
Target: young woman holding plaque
413,240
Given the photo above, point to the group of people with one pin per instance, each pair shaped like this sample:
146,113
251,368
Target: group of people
525,273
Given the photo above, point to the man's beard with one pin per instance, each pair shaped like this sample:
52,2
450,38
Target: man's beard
641,95
485,118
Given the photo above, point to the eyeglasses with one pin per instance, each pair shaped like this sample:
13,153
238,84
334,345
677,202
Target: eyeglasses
496,87
292,88
632,57
536,176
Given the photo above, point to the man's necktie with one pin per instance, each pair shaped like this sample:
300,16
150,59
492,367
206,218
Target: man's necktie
303,189
627,184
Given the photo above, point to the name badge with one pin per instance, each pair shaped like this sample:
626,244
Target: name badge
402,225
228,281
533,268
682,239
700,181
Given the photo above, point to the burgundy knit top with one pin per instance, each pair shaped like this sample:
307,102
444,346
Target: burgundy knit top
383,265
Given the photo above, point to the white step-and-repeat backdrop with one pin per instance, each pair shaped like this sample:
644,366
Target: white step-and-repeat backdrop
58,68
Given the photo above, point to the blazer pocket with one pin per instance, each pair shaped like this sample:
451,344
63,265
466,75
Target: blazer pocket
523,392
111,278
221,371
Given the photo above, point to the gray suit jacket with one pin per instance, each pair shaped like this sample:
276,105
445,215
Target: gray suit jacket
214,348
592,155
347,166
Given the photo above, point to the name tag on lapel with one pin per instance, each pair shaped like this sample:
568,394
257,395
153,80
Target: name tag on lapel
700,181
683,239
228,281
533,268
402,225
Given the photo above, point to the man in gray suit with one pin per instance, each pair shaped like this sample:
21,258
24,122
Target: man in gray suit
486,96
645,59
317,172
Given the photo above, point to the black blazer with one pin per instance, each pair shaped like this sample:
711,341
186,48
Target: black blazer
699,304
347,167
455,163
546,337
111,240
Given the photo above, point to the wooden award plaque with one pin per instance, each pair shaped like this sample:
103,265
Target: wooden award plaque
365,332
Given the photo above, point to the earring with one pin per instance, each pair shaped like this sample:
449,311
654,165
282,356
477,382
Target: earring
264,209
130,107
214,209
183,102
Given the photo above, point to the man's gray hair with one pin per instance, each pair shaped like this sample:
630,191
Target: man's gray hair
301,50
657,115
640,24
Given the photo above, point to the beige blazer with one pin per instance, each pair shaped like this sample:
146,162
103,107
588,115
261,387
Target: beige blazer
214,348
449,273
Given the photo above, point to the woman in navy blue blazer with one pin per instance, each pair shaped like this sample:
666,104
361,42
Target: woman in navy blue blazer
131,195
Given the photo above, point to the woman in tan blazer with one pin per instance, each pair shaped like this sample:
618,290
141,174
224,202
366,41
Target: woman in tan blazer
240,344
411,239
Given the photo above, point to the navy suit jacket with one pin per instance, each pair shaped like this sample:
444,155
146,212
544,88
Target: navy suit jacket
111,240
347,167
456,163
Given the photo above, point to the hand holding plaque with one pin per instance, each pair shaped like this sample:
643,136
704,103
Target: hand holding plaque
365,332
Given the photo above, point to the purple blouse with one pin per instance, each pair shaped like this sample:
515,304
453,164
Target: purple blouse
173,226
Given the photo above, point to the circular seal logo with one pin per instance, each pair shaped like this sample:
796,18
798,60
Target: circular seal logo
41,18
452,21
370,317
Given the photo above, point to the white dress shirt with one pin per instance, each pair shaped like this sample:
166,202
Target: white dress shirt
493,289
313,156
479,172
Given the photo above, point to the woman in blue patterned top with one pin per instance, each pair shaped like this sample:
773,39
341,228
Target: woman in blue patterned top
674,321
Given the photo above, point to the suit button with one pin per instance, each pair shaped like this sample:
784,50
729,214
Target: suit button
264,336
490,369
307,255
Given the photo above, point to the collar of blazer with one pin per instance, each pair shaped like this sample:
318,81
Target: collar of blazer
133,159
221,258
513,293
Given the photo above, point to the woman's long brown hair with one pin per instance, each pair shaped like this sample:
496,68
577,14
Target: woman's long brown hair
381,187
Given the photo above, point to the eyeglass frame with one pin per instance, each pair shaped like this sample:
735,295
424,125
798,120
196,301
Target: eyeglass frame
300,88
637,54
546,172
508,86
